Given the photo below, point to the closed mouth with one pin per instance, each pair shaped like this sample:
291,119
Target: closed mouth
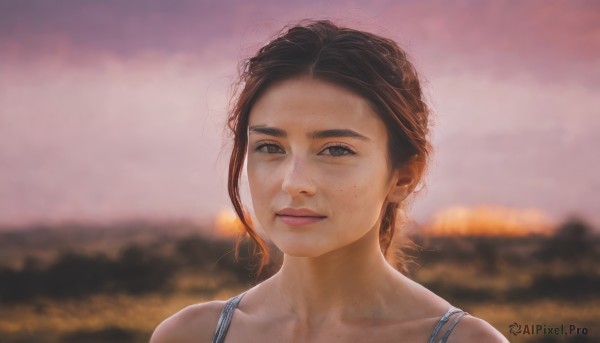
299,217
300,212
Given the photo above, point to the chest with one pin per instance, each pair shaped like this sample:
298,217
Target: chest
396,332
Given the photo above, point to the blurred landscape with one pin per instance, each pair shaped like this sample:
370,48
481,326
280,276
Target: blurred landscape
78,283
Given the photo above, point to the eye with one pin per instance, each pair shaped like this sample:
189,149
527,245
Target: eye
269,148
337,150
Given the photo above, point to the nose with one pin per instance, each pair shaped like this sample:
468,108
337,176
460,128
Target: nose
297,180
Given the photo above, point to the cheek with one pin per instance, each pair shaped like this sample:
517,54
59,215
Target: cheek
262,183
360,193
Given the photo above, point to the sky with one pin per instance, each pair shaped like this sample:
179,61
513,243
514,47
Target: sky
115,110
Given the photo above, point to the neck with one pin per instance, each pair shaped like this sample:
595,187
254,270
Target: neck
348,283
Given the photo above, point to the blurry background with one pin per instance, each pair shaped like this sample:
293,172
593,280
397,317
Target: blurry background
113,157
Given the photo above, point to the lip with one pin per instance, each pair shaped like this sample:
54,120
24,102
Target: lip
298,212
299,217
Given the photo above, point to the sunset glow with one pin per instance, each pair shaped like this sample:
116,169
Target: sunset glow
227,224
488,221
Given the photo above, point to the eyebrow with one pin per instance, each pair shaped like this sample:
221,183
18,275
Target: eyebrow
337,133
269,131
320,134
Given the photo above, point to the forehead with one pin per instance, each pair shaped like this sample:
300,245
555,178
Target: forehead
307,102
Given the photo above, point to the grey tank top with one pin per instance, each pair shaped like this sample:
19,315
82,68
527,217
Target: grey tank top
231,305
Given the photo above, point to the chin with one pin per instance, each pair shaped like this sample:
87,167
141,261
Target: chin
298,248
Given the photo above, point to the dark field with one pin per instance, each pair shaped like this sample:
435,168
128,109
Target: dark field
115,284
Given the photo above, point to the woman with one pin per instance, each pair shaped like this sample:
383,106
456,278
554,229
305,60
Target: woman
333,128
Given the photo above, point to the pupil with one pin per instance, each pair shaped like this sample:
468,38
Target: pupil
337,151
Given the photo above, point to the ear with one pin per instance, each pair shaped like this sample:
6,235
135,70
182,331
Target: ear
405,179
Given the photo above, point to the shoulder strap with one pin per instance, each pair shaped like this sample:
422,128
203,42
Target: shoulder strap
225,318
445,318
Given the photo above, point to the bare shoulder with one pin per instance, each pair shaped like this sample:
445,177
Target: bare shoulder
195,323
473,329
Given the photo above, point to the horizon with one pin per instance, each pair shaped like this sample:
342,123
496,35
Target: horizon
456,221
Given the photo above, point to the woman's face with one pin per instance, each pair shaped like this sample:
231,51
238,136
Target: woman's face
318,166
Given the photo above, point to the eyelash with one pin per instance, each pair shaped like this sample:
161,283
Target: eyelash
266,145
346,148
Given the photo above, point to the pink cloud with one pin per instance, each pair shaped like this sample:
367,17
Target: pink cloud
532,34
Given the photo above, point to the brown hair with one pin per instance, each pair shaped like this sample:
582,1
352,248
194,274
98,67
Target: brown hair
372,66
